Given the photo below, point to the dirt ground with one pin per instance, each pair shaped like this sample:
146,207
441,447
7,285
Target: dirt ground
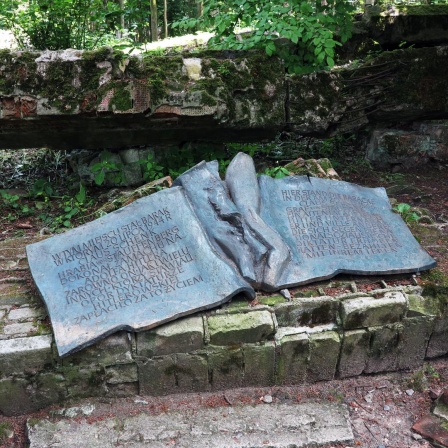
383,408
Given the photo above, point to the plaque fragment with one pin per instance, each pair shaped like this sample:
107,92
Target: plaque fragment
336,227
145,264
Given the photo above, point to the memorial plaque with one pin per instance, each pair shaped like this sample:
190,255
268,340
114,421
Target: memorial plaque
333,227
145,264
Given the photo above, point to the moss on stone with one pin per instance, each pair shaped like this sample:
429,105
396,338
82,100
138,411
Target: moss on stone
272,300
99,55
121,101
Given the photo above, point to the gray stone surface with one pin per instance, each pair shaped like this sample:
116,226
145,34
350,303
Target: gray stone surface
136,268
273,425
362,312
251,327
183,336
332,227
24,354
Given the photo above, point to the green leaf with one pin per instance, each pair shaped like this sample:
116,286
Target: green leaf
81,196
99,178
330,61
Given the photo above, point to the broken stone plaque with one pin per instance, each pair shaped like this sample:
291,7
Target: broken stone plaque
333,227
145,264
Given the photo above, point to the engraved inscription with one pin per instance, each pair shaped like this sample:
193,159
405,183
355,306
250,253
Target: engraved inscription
320,228
140,261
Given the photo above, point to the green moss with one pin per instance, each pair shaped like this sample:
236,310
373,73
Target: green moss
309,293
121,100
272,300
5,429
99,55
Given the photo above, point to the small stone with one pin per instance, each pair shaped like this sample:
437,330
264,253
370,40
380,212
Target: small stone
286,294
434,394
144,402
410,392
267,399
386,407
416,436
368,398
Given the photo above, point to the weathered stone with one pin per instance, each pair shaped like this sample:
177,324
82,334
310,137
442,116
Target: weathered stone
421,306
293,357
324,355
259,364
115,349
388,147
25,312
84,381
438,343
50,389
307,311
101,271
122,390
384,349
15,397
21,355
275,425
157,376
365,312
19,330
183,336
251,327
316,168
191,373
165,97
226,366
354,352
121,373
413,343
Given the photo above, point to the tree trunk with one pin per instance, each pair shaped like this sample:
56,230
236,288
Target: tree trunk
154,27
199,8
165,18
119,32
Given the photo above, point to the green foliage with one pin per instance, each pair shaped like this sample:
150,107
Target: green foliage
57,24
309,31
406,212
11,206
71,208
277,172
5,429
151,170
106,168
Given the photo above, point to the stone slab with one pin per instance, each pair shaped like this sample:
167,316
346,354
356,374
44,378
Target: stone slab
333,227
273,425
138,267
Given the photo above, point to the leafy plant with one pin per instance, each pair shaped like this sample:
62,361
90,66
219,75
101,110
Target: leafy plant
150,169
405,210
71,207
277,172
42,189
311,30
57,24
105,167
13,206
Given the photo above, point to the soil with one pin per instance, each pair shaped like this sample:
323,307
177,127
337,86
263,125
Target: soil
382,412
